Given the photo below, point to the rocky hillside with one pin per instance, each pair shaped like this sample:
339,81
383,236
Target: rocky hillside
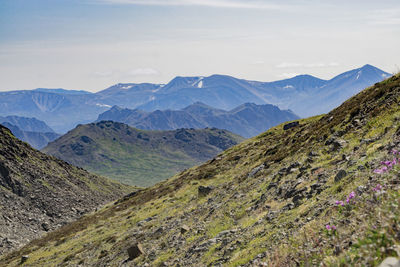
246,120
39,193
138,157
323,192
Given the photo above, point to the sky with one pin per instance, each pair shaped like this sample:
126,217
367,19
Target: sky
93,44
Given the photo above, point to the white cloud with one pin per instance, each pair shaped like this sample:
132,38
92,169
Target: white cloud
250,4
284,65
143,72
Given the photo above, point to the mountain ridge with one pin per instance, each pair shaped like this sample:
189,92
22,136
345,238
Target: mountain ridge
63,111
246,120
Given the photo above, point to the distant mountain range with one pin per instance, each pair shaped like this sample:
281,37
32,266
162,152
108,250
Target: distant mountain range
33,131
305,95
27,124
138,157
246,120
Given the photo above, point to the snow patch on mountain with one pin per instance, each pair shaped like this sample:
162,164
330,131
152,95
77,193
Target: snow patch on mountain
103,105
288,87
358,74
198,83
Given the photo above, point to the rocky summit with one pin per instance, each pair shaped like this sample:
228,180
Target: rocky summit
39,193
323,192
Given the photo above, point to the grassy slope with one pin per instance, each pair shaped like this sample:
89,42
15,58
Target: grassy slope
117,151
369,126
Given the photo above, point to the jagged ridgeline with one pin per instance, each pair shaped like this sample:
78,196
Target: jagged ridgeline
39,193
270,199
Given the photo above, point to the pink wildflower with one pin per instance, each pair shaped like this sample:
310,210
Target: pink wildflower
330,227
377,188
339,203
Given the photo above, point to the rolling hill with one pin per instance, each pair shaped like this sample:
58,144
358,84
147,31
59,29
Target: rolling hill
138,157
246,120
39,193
324,192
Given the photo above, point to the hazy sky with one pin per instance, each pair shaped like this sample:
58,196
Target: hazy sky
92,44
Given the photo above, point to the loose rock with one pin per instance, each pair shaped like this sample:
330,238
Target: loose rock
390,262
184,229
24,258
204,190
340,175
135,251
290,125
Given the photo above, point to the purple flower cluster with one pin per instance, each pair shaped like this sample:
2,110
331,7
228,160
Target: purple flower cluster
388,164
351,196
377,188
339,203
330,227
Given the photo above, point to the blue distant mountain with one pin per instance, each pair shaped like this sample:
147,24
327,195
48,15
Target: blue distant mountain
27,124
246,120
33,131
305,95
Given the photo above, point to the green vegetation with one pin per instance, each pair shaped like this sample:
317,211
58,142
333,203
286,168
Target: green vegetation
138,157
270,200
